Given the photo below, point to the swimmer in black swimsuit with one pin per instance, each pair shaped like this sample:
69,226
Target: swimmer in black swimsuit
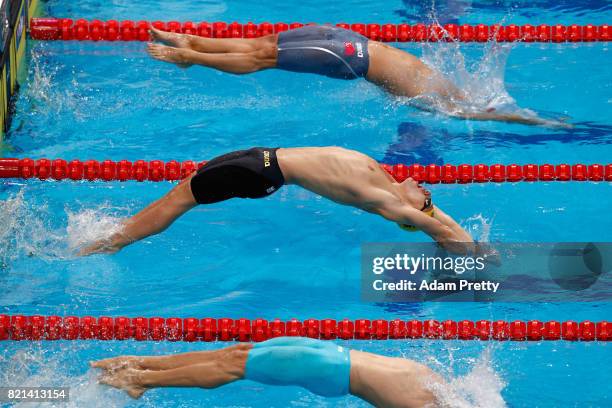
344,176
252,173
336,53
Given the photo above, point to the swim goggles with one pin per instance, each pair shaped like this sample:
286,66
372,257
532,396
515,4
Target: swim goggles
428,209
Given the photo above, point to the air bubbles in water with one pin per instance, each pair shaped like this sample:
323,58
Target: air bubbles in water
26,229
481,387
90,225
33,367
480,82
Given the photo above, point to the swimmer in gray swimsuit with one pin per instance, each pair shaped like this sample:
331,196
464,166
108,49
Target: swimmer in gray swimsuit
336,53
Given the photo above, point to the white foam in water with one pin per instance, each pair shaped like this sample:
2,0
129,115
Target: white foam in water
481,387
90,225
41,80
32,368
49,97
482,82
44,90
24,230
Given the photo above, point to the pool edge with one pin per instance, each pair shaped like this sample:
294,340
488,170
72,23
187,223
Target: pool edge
13,65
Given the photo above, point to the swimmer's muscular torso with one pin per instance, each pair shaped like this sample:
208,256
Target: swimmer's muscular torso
352,178
344,176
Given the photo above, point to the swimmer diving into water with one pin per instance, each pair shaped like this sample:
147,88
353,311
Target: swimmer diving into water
344,176
323,368
336,53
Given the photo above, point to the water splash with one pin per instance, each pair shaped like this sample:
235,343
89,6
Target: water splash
481,387
480,82
25,230
479,227
44,93
90,225
32,368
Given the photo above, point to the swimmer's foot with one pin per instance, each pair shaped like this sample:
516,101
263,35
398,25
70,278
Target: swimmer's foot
127,380
171,39
168,54
118,363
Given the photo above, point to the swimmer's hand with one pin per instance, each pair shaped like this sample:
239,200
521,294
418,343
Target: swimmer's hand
118,363
108,245
509,117
104,246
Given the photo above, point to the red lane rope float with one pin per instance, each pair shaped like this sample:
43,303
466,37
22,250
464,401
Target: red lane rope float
157,170
20,327
112,30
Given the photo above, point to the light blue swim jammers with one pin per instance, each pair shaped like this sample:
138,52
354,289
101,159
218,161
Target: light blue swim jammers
321,367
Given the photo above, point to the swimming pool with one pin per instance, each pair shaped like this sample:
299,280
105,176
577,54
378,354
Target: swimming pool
294,254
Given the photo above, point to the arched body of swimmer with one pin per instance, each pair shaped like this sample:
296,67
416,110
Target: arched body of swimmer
333,52
341,175
323,368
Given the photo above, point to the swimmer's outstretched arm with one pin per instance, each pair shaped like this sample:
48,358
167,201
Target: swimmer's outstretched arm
432,91
150,221
442,228
513,118
450,97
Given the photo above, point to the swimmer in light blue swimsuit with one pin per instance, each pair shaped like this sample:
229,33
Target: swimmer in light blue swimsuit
322,367
335,53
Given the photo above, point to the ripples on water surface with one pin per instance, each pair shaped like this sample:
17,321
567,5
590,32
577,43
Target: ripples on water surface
295,254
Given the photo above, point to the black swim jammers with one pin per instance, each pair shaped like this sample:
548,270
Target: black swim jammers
252,173
324,50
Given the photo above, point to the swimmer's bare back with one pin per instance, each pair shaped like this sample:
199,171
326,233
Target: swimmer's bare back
352,178
345,176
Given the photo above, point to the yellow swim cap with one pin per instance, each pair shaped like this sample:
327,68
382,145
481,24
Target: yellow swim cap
412,228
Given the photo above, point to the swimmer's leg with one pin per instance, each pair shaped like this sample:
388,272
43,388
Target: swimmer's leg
235,63
183,359
150,221
219,369
157,363
212,45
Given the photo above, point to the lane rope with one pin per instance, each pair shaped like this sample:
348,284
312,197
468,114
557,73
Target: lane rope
39,328
66,29
157,170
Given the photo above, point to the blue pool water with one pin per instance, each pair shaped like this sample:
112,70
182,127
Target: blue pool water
295,254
